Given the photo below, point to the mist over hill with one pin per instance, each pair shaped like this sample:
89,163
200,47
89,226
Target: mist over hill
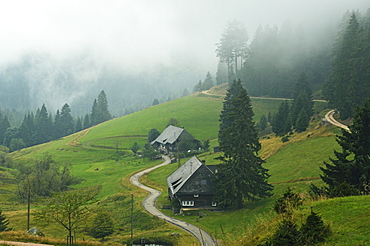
40,78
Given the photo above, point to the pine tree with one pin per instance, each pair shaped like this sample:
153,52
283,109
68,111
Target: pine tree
208,82
302,100
4,223
66,120
281,121
314,230
352,164
43,126
103,110
78,126
286,234
346,83
302,121
102,226
86,122
4,124
94,118
232,47
241,176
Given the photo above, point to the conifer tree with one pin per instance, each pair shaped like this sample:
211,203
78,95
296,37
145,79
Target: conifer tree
302,101
352,163
241,176
43,126
347,81
281,121
314,230
66,119
4,223
78,126
102,225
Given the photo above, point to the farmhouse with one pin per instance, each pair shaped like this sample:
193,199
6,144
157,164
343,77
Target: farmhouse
169,139
192,185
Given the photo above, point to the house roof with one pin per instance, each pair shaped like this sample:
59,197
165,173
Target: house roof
179,177
169,135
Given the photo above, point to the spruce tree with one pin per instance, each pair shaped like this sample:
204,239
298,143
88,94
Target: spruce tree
352,163
102,226
241,176
314,230
281,121
103,111
4,223
66,119
347,81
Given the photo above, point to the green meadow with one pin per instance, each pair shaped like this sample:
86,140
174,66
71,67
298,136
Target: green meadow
101,156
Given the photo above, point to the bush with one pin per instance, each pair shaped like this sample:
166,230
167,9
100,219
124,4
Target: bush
288,202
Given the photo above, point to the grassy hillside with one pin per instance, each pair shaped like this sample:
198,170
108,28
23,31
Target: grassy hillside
292,164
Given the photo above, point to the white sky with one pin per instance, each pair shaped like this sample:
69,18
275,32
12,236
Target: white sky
138,31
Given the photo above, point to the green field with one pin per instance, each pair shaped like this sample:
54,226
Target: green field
294,164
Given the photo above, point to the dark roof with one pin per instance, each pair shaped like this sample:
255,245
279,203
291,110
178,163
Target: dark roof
169,135
180,176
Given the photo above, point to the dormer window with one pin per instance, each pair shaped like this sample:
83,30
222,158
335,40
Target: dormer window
196,195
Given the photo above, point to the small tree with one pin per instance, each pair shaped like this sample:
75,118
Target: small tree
135,148
173,122
68,209
314,230
102,226
4,223
153,134
286,234
206,145
287,202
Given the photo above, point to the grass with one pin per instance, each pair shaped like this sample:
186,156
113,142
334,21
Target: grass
293,164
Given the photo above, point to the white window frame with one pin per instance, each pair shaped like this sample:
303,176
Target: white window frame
196,195
187,203
214,204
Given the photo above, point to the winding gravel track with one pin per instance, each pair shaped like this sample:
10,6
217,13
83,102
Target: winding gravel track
330,118
149,204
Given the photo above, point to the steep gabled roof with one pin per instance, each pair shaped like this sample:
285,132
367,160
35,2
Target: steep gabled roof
169,135
179,177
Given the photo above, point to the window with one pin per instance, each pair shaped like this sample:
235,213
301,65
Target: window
187,203
196,195
214,204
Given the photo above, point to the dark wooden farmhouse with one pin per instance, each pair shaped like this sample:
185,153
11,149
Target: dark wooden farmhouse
192,185
168,140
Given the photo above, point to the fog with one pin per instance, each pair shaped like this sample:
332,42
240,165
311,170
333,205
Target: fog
75,40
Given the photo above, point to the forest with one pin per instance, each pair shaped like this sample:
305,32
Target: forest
269,65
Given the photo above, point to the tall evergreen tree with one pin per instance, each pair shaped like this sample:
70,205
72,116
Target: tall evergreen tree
57,125
241,176
86,122
4,124
352,164
302,100
27,129
232,47
78,126
94,118
66,119
208,82
103,110
4,223
43,126
281,122
346,83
